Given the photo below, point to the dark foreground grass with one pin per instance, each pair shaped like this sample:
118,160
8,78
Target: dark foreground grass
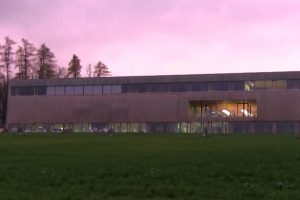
149,167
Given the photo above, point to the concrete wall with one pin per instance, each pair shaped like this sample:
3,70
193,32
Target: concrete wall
274,105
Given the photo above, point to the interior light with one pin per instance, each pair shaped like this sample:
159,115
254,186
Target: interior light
226,112
246,113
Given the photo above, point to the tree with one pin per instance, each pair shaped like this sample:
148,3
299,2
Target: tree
6,57
25,60
19,63
89,71
74,67
46,63
61,72
101,70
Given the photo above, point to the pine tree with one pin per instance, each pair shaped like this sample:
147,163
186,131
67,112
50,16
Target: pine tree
101,70
27,60
19,63
74,67
7,56
29,53
46,63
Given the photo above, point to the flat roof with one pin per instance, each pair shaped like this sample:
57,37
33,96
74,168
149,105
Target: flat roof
159,79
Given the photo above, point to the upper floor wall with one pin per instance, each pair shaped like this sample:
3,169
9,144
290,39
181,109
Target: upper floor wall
97,89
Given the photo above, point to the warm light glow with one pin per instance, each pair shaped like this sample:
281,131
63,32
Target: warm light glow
246,113
226,112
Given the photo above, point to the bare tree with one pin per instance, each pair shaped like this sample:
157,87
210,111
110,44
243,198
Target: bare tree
89,70
61,72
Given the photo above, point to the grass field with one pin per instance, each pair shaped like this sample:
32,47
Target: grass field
149,167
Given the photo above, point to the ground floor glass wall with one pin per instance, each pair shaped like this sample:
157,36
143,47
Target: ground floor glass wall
176,127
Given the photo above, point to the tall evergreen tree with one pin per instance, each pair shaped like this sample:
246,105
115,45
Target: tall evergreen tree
6,57
46,63
29,52
101,70
74,67
19,63
27,58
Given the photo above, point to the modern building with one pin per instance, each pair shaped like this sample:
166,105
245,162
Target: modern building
267,102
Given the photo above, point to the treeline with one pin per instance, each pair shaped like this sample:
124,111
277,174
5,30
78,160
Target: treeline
26,61
30,62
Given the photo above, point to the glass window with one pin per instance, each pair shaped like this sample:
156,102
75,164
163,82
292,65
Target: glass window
124,128
238,85
41,90
88,89
249,85
178,87
143,127
293,84
134,88
263,127
134,128
116,89
13,91
50,90
124,88
220,86
242,108
77,128
260,85
281,84
270,85
106,89
159,88
285,127
78,90
200,86
59,90
97,89
69,90
26,91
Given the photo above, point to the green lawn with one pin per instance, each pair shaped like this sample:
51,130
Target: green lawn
149,167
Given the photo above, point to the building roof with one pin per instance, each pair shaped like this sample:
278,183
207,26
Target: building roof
160,79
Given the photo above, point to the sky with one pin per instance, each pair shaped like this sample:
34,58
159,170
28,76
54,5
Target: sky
152,37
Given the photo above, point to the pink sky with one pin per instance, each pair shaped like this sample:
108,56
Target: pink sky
148,37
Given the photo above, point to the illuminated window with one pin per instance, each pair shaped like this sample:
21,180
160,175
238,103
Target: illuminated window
281,84
221,109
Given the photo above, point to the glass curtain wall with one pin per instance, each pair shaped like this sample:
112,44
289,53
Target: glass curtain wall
242,108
